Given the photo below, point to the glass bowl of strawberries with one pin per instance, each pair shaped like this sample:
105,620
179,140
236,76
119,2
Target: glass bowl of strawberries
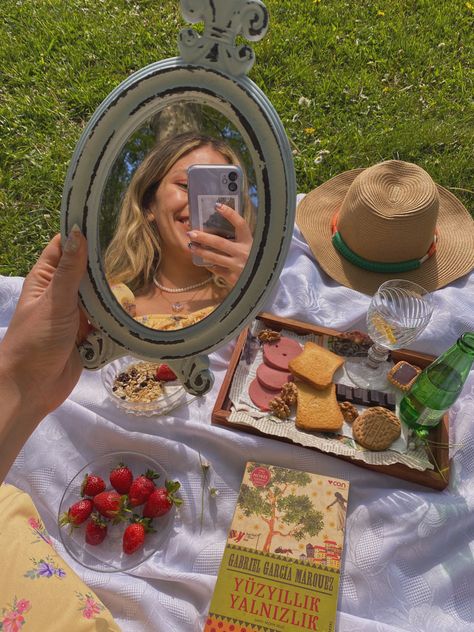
118,511
142,388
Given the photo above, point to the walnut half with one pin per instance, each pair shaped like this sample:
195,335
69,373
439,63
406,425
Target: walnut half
279,408
268,335
289,393
349,411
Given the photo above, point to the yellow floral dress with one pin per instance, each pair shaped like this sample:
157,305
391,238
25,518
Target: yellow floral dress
126,298
38,590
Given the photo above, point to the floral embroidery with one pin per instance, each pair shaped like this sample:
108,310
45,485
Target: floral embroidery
38,528
129,307
44,568
90,608
12,619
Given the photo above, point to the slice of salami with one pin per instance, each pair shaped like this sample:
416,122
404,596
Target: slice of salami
272,378
278,354
260,395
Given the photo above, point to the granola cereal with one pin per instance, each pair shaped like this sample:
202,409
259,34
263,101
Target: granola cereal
138,383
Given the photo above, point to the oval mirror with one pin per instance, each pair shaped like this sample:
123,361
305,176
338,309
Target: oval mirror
204,92
145,216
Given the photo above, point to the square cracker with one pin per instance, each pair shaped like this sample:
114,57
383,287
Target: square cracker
318,409
316,365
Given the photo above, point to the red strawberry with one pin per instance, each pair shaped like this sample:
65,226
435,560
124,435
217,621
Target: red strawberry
77,513
96,530
141,488
161,500
92,485
134,535
111,505
164,373
121,478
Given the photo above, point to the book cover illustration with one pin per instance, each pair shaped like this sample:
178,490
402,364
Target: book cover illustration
281,564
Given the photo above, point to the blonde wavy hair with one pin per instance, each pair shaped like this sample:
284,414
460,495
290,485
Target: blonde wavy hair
134,253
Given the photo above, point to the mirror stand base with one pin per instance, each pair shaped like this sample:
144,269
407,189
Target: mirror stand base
98,349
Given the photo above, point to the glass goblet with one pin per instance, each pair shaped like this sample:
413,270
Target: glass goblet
398,312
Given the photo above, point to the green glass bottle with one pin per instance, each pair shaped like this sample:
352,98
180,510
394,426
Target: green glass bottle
438,386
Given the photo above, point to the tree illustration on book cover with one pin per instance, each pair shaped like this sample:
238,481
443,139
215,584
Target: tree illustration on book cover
281,565
283,511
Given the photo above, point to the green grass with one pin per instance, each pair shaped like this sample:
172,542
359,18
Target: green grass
353,82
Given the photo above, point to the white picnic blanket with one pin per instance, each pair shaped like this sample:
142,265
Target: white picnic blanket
409,551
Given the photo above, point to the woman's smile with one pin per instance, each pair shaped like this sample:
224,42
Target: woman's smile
184,219
170,205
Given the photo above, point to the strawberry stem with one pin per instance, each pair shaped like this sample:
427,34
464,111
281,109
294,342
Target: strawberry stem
151,474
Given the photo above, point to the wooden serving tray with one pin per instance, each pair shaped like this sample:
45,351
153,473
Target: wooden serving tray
436,479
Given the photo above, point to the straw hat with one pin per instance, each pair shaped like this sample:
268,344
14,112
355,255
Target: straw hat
391,220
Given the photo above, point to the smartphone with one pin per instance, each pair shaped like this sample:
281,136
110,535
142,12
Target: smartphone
207,186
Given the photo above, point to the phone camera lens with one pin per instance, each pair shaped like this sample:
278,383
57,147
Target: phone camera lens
232,177
232,186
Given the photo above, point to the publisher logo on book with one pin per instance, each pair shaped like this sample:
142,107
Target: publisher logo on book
336,483
260,476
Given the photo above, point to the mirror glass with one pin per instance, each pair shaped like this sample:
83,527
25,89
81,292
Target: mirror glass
145,216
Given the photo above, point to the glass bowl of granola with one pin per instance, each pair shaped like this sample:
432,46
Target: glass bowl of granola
142,388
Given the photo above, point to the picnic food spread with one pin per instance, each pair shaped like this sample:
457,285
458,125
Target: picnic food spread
292,375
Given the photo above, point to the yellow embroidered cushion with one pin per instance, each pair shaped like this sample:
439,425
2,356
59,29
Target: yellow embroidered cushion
37,588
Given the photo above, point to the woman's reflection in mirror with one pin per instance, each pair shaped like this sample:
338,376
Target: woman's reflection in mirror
149,259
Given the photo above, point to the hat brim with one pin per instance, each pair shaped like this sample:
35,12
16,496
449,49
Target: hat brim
454,255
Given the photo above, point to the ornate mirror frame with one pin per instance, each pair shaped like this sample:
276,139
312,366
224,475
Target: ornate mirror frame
210,71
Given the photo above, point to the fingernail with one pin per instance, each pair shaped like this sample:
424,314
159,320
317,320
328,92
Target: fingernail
72,242
192,234
219,206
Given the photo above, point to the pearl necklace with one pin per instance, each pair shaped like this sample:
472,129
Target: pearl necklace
177,290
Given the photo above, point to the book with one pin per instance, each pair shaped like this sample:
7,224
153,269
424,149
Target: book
281,564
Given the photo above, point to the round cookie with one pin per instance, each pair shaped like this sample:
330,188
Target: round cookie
278,354
376,428
272,378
